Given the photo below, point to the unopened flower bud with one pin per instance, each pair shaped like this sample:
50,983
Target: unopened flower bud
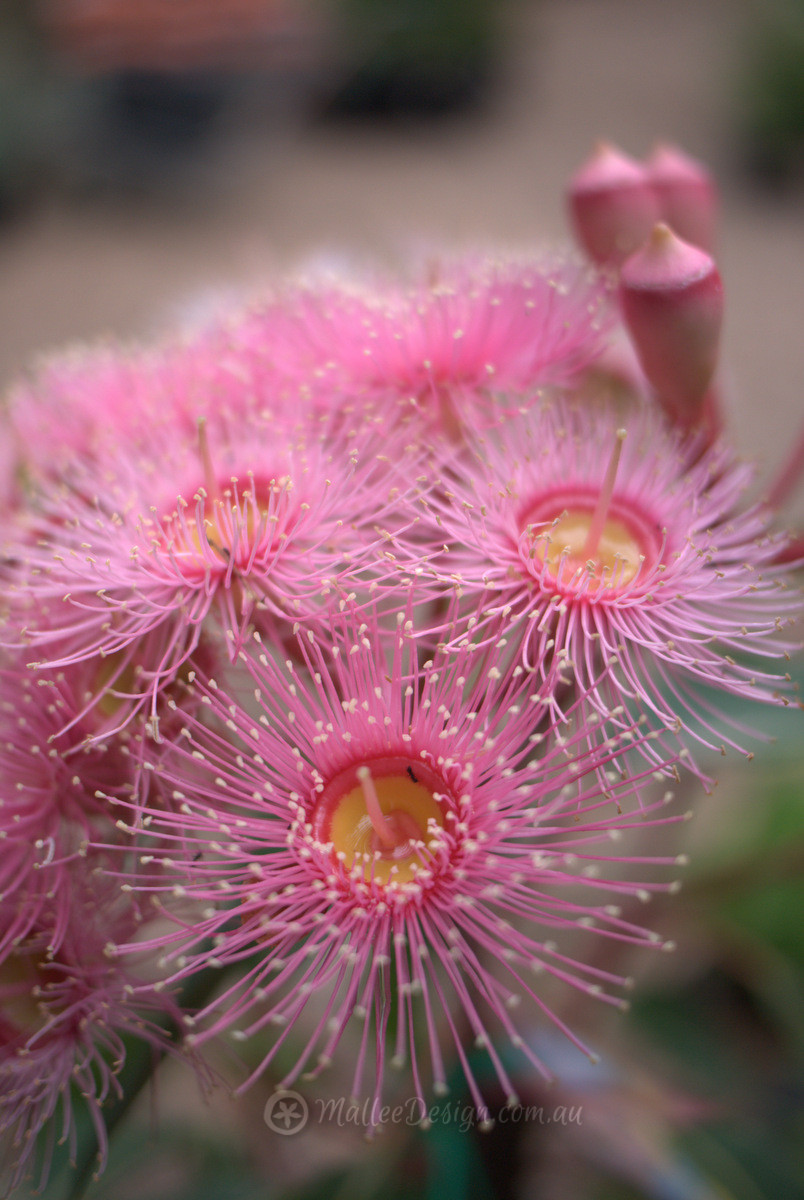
686,194
671,296
613,205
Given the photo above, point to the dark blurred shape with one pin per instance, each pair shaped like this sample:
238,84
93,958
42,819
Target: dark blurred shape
145,125
150,82
169,110
771,96
146,95
420,57
383,56
25,104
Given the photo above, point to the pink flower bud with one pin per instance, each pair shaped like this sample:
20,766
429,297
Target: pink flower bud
686,193
612,204
671,296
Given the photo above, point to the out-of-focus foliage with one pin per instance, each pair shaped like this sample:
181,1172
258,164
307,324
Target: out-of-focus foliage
420,56
770,100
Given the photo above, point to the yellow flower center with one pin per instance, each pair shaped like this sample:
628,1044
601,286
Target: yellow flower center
615,562
579,548
383,815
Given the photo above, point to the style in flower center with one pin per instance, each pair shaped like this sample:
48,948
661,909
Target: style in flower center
229,525
586,537
226,520
564,547
382,814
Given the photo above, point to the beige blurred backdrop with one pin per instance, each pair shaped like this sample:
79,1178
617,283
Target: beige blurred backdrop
273,192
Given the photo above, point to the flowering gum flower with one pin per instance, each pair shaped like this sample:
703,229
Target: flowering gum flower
612,550
52,764
686,193
464,338
259,523
613,205
671,296
392,845
81,402
63,1015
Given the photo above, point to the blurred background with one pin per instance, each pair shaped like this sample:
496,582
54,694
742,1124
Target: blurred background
153,151
158,156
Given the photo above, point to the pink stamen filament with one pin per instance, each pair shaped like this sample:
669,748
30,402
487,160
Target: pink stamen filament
382,828
210,479
604,500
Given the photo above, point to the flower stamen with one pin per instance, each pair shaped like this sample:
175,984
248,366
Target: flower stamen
603,505
204,453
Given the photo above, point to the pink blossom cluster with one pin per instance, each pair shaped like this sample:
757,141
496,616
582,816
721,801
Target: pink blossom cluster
350,645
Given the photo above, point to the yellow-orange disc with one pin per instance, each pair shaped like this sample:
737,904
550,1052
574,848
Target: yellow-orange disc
615,561
409,807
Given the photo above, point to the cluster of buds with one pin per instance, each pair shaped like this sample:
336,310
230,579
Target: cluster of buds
652,224
345,638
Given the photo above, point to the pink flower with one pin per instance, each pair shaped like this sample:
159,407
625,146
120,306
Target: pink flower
54,757
174,533
614,552
83,404
465,338
64,1010
80,403
382,834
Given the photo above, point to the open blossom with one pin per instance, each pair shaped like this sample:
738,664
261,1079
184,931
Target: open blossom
80,405
82,402
613,550
465,338
178,532
385,835
64,1012
53,761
